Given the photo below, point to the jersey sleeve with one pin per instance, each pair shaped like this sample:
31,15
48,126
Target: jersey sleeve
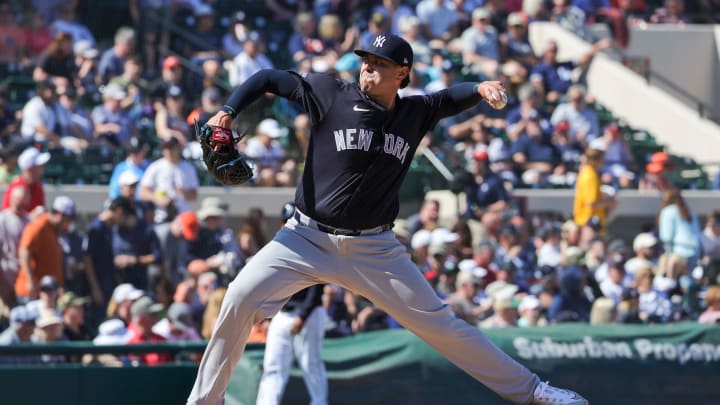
316,94
445,103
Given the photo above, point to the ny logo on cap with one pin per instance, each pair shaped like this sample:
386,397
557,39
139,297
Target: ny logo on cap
379,41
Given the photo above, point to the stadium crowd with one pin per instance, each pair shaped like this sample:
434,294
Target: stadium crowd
150,268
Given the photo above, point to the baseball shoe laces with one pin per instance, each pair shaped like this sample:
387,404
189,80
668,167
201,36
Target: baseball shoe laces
546,394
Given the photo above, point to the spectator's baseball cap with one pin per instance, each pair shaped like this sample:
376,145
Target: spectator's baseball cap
212,94
465,276
136,145
112,332
480,154
421,238
211,208
22,314
529,302
114,91
179,314
574,256
562,126
500,289
63,204
145,306
659,157
126,292
480,13
644,240
270,127
70,299
203,10
174,91
49,283
618,246
32,157
189,224
85,49
613,129
390,47
515,19
48,317
171,62
128,178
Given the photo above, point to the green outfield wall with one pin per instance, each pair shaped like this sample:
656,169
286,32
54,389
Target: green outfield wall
665,364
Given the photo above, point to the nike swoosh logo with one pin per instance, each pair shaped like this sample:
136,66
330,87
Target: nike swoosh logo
356,108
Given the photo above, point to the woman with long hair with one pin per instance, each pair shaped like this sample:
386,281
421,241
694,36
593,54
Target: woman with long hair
679,228
58,60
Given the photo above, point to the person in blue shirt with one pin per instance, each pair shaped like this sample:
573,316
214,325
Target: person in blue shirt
486,191
136,162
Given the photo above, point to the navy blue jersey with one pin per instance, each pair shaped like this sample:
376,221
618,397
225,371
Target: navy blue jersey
359,152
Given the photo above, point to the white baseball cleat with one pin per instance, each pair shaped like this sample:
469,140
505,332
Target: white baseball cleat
546,394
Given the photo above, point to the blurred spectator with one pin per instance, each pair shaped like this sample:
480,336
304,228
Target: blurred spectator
120,305
22,326
657,173
571,304
711,314
148,19
338,41
73,316
267,152
71,243
112,61
530,106
487,190
534,154
57,61
377,24
98,247
170,121
40,253
394,10
619,161
480,44
66,22
144,315
9,122
572,18
174,237
553,78
529,311
135,163
653,306
200,297
49,329
515,43
135,249
86,62
446,79
112,332
248,62
505,314
589,201
603,311
645,247
12,222
177,326
212,311
210,103
672,13
232,41
584,125
711,247
439,19
48,297
12,41
37,35
113,126
427,217
134,86
80,120
464,301
304,42
251,233
170,75
615,283
40,121
678,227
215,248
617,254
170,183
550,253
208,41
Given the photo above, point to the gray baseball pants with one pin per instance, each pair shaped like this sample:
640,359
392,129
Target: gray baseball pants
374,266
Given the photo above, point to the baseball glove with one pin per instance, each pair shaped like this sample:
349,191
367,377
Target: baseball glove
221,156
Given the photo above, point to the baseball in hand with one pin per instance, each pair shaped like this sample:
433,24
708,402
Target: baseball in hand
499,103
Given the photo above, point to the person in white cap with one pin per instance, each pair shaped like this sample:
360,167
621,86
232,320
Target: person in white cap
267,152
39,252
32,165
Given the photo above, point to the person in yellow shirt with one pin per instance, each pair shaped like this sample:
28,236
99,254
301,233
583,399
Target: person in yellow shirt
589,200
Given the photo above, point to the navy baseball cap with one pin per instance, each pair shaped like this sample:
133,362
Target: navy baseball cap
390,47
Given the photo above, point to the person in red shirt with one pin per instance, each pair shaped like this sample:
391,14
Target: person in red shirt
32,164
144,315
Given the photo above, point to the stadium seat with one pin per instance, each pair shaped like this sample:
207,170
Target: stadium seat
97,164
63,167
